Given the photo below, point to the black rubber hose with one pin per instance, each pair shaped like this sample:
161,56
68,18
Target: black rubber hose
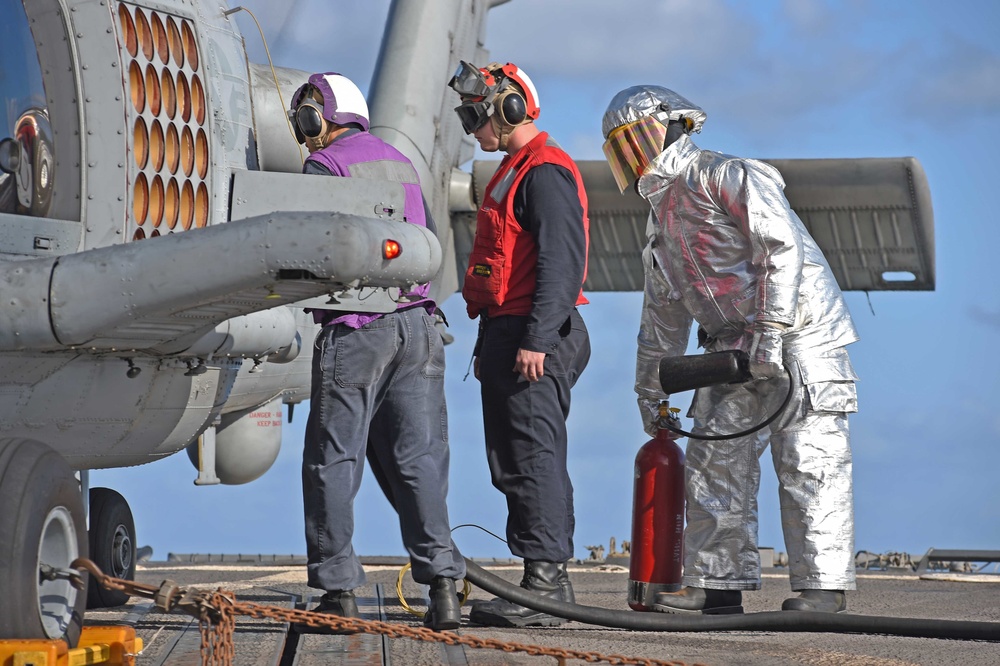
743,433
784,621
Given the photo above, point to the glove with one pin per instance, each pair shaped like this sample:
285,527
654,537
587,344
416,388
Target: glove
765,351
650,411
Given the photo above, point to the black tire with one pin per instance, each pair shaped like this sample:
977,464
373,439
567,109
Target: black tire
112,545
41,521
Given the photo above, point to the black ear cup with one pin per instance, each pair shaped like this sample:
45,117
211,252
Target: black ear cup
309,120
513,110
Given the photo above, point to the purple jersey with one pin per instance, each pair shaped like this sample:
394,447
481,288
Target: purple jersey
357,154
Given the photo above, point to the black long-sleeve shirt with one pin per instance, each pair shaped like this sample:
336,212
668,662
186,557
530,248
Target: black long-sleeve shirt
546,205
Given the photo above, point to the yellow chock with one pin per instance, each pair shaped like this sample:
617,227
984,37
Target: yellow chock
110,645
32,652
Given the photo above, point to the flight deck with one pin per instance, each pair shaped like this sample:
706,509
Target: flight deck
278,582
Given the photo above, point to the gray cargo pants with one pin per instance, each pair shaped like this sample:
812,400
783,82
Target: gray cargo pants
378,391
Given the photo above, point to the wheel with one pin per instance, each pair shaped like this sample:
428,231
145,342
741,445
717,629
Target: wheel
112,545
41,523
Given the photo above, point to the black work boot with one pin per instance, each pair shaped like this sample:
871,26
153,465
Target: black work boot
540,577
565,586
821,601
699,600
444,610
336,602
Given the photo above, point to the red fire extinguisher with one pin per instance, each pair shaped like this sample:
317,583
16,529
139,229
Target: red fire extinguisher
657,548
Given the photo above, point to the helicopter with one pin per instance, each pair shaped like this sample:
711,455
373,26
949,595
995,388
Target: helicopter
159,245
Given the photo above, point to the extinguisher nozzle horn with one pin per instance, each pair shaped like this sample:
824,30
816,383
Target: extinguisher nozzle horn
667,416
683,373
664,409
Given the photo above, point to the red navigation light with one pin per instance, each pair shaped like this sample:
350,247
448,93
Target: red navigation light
391,249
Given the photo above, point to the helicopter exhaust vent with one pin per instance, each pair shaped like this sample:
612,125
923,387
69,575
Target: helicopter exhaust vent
169,111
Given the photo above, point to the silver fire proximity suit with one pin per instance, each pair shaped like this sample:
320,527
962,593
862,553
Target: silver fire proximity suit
725,250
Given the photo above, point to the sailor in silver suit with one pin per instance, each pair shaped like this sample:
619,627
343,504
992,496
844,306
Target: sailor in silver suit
725,250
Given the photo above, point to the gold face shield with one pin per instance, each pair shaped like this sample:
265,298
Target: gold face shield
630,149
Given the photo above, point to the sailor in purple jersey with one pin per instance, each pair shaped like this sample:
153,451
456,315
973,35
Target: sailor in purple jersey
377,388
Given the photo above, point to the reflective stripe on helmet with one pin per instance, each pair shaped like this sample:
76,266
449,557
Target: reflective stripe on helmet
512,71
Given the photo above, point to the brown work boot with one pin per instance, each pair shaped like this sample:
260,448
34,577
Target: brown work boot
820,601
699,600
444,610
336,602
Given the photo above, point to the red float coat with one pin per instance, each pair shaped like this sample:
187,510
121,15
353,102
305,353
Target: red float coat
500,278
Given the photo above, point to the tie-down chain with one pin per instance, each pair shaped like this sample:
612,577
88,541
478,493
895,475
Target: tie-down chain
216,614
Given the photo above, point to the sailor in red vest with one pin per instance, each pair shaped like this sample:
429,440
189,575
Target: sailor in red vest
377,389
524,282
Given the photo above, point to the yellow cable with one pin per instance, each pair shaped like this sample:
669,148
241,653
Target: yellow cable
274,74
462,598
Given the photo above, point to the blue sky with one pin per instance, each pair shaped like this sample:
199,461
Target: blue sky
800,78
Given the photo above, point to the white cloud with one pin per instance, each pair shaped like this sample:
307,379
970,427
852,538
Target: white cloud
963,79
772,66
599,40
811,17
315,35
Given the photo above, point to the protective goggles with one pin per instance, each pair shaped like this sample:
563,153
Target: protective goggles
631,148
470,81
473,115
307,120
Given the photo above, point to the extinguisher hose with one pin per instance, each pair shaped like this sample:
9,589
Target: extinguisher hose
743,433
779,621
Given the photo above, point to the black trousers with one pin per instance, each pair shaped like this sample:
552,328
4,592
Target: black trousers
525,426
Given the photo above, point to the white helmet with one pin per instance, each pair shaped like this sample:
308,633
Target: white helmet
343,104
